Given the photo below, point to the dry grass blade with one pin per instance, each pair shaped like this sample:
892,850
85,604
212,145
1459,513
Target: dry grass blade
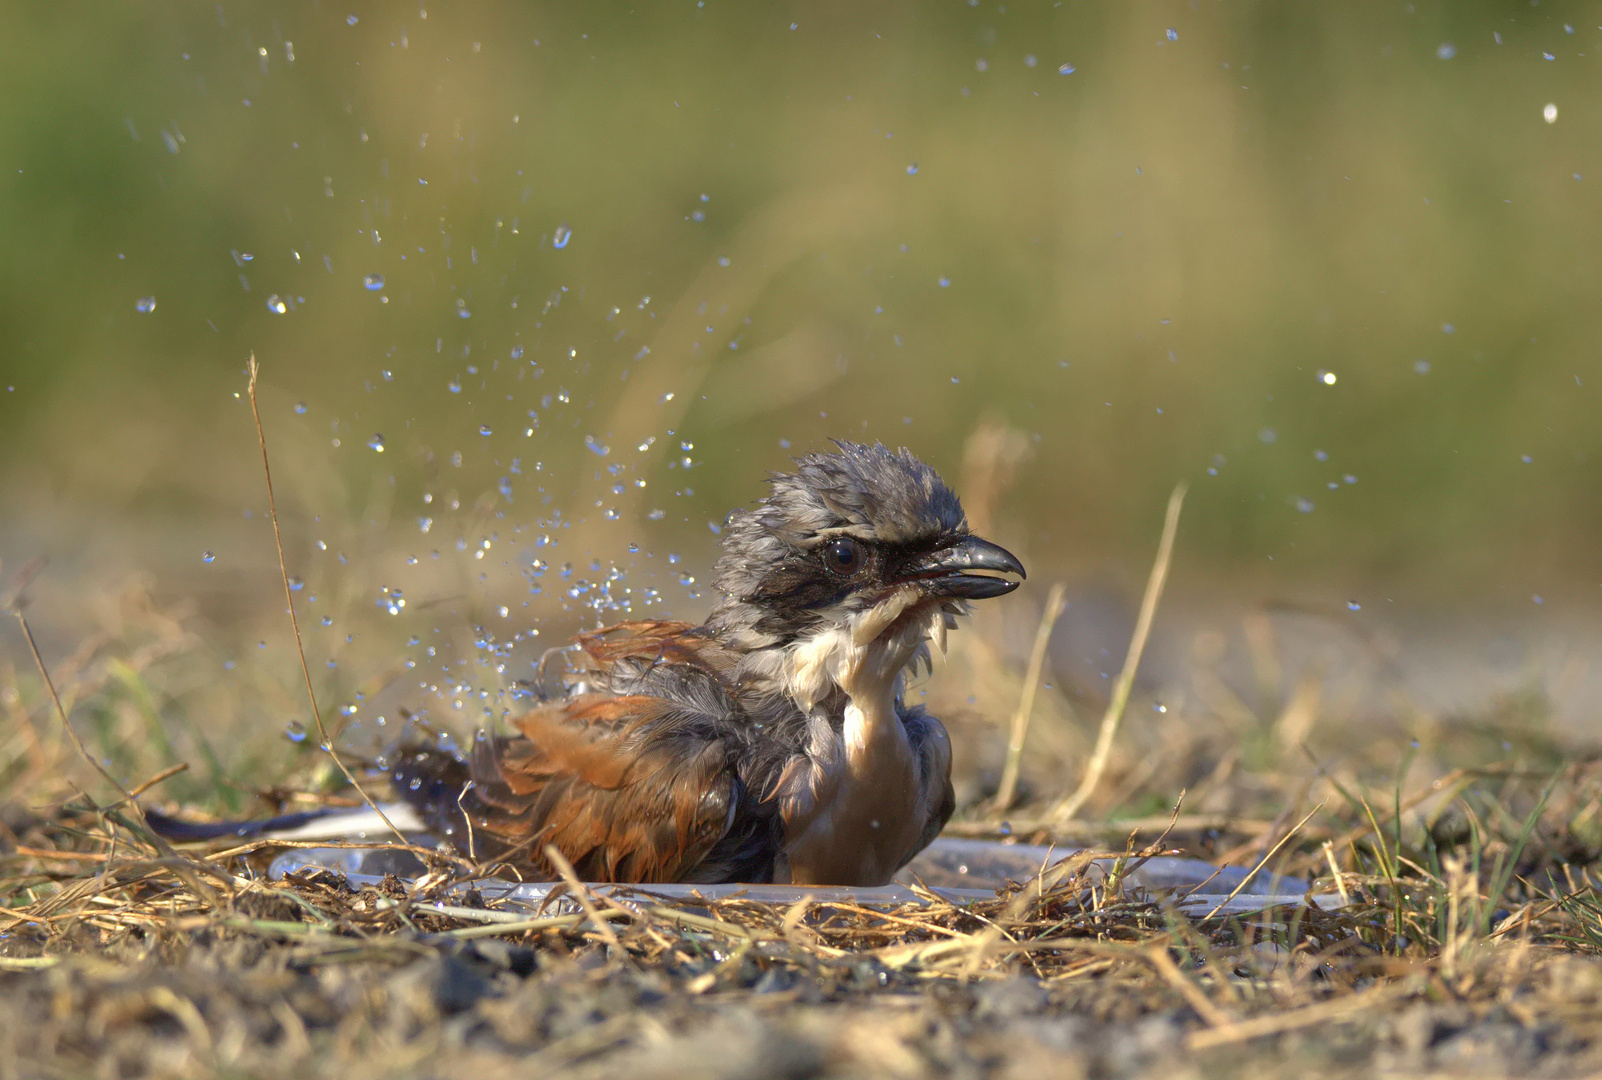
166,774
1158,955
1007,790
581,893
513,926
139,828
61,712
1066,809
1264,861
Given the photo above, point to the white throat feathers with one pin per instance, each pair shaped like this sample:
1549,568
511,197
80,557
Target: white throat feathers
846,801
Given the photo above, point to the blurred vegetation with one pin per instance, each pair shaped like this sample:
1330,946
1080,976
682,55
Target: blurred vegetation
1138,234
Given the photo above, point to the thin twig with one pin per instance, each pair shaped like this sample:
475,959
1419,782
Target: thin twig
166,774
1066,809
1007,790
324,742
61,712
141,828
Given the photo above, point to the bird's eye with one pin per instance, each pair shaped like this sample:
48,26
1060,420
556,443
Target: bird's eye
842,555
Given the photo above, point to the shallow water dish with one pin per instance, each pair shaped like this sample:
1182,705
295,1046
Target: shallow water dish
955,869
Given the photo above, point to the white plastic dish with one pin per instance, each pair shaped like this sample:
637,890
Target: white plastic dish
957,870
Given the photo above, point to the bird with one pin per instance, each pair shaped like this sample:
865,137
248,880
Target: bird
771,743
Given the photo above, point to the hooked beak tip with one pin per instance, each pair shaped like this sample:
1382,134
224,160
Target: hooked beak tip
945,571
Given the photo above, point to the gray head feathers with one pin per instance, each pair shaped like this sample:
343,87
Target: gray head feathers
769,574
870,492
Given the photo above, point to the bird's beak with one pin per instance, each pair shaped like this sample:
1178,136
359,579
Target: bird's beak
944,572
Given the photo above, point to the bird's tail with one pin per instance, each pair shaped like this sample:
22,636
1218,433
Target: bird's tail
332,823
437,782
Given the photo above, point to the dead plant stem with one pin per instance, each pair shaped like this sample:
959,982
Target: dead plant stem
1007,790
324,742
1066,809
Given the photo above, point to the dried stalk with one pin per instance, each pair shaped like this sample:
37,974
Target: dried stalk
323,741
1007,790
1065,810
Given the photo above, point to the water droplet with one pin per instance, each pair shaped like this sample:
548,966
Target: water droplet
912,170
517,352
1066,69
296,584
276,304
1172,34
561,236
376,443
1445,50
455,385
1353,605
1550,112
944,282
484,429
373,282
295,731
145,304
1304,506
595,447
300,408
1421,366
206,556
1325,377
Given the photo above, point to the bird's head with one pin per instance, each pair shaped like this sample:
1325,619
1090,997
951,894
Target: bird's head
866,544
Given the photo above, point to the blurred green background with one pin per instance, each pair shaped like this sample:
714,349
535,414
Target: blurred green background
585,272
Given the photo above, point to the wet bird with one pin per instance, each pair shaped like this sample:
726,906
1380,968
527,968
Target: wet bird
771,743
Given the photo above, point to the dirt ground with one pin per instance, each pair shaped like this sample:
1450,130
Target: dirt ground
215,1001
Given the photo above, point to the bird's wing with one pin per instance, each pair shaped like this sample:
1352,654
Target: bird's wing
633,657
652,641
639,787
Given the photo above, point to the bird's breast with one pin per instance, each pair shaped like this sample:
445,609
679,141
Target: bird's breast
857,800
855,806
